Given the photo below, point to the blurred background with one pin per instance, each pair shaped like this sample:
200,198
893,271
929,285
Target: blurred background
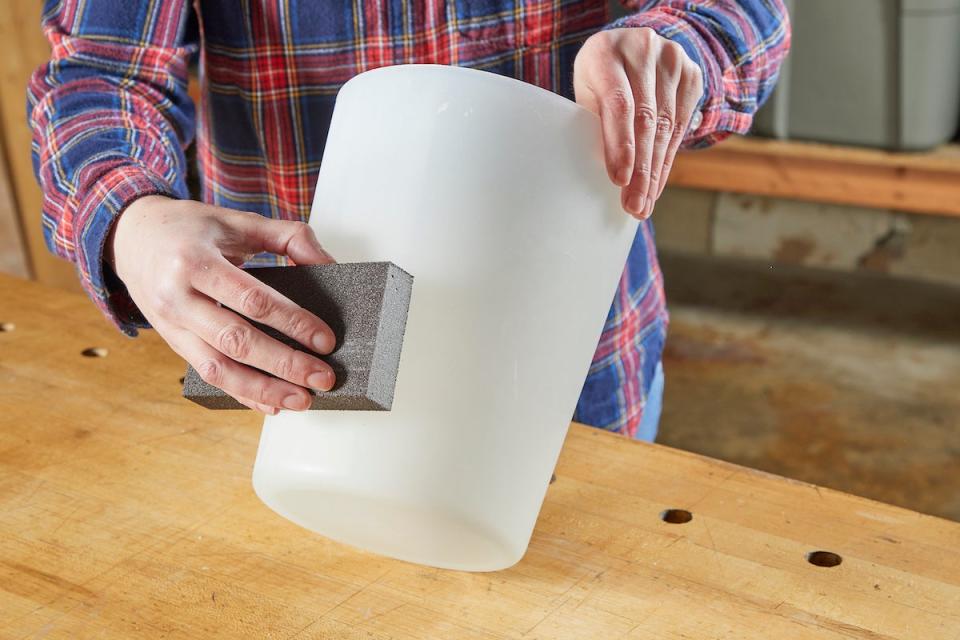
812,269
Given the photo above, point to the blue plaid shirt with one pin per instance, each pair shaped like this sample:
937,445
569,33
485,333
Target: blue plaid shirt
112,115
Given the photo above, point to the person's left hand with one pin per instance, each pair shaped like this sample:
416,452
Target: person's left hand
645,88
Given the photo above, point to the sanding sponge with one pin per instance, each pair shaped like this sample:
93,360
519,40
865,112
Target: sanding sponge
365,304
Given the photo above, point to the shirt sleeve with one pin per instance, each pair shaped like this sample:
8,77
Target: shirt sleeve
110,116
738,45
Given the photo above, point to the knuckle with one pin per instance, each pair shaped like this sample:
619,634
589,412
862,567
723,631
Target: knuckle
673,51
619,103
285,367
181,264
300,229
282,368
297,325
625,150
646,118
234,340
641,169
268,394
178,264
601,40
255,303
299,226
665,124
165,295
211,371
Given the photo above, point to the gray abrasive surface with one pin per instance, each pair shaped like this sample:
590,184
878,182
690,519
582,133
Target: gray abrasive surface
365,303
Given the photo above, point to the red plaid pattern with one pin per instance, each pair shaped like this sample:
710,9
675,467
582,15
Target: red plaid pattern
111,115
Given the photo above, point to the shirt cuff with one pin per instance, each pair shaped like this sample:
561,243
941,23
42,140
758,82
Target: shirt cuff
115,190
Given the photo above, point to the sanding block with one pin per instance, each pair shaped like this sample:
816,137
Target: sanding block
365,304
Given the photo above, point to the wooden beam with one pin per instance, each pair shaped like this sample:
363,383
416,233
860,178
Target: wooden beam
926,182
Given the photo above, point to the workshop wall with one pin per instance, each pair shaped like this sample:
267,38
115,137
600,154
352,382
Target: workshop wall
836,237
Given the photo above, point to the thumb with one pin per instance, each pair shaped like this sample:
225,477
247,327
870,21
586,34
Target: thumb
289,238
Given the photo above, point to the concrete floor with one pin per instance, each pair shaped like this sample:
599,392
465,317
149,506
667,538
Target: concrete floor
850,382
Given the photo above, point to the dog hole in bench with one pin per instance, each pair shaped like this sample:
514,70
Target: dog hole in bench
824,558
676,516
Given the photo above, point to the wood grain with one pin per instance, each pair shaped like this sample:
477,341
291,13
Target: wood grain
918,182
126,511
24,49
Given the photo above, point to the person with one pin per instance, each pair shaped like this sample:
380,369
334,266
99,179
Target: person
111,117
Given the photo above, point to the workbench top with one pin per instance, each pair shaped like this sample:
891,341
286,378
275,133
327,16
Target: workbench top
126,511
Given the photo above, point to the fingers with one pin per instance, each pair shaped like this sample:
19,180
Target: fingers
645,88
237,340
605,90
689,90
643,79
244,383
616,119
243,293
256,406
293,239
668,77
249,387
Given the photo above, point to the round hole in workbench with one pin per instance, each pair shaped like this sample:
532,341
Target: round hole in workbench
182,378
94,352
7,326
676,516
824,558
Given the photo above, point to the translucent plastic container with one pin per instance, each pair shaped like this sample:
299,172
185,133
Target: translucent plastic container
493,195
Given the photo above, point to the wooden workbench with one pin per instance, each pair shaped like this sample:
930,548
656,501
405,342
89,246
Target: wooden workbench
127,512
927,182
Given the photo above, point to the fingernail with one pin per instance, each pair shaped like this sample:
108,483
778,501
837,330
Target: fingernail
622,177
635,203
648,207
322,343
296,402
321,380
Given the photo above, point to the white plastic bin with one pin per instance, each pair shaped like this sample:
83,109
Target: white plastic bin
493,195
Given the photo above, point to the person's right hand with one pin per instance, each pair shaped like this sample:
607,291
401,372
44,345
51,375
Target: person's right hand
179,258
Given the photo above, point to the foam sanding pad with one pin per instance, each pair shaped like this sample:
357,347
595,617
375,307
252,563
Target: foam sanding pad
365,304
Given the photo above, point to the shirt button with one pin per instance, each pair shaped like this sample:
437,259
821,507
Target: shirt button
696,120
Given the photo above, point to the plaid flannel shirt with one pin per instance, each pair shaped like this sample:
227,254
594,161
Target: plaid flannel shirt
111,116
